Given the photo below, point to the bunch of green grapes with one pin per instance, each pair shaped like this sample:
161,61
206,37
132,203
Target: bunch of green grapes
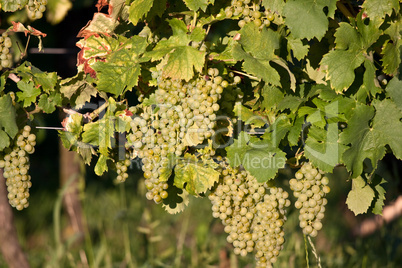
253,217
6,59
248,11
122,167
310,188
36,8
16,166
184,116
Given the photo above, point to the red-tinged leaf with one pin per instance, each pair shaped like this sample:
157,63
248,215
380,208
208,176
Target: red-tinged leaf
18,27
100,23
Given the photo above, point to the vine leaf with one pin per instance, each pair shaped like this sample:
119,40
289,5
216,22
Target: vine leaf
180,59
49,102
138,9
380,197
257,156
306,18
8,125
394,91
249,117
352,41
360,197
196,4
11,6
78,89
100,24
369,142
101,133
274,5
257,50
177,200
101,165
392,49
116,66
194,176
322,147
28,92
380,8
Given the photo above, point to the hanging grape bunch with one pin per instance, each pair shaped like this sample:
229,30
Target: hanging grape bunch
185,116
249,12
36,8
253,217
16,166
310,187
5,47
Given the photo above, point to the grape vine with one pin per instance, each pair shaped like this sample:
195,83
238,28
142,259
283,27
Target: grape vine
227,94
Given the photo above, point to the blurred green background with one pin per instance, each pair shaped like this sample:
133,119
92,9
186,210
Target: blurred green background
123,229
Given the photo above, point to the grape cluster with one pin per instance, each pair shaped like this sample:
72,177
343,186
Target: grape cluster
122,167
36,8
310,187
249,12
5,56
253,217
16,166
184,116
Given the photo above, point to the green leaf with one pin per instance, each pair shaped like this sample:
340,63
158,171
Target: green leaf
8,124
46,80
249,116
380,197
28,93
388,125
369,142
138,9
380,8
299,49
391,59
101,165
322,147
277,131
369,87
394,91
11,6
274,5
295,131
196,4
257,50
78,89
271,97
116,66
341,66
363,142
4,140
360,197
306,18
257,156
101,132
183,61
48,103
195,177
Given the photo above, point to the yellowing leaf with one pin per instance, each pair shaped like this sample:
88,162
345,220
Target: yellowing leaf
360,197
195,177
